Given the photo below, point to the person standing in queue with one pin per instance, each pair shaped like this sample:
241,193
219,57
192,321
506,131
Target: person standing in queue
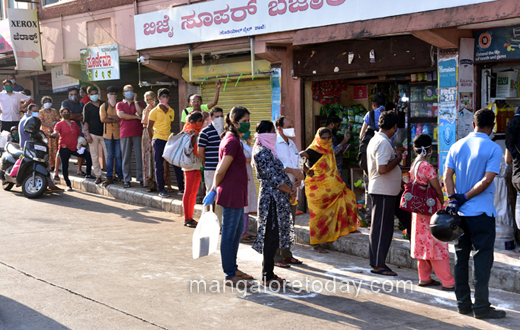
475,161
230,190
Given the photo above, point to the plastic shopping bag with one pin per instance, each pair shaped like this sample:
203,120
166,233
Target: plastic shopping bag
16,167
205,237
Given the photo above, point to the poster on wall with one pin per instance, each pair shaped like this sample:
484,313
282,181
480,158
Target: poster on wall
448,104
25,38
61,82
448,72
100,63
360,92
276,93
501,43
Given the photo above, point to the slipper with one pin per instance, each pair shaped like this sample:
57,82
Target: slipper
281,264
277,281
384,270
190,223
57,178
248,239
292,261
243,275
81,173
299,212
448,288
241,284
430,283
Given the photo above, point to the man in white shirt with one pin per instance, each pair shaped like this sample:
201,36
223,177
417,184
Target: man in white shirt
385,185
10,105
290,157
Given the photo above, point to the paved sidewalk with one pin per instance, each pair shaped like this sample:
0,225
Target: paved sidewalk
504,276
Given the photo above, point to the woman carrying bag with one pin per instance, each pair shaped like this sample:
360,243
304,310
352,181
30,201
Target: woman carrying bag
429,252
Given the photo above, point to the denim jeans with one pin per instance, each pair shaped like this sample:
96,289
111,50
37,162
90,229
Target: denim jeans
479,234
158,149
232,228
114,151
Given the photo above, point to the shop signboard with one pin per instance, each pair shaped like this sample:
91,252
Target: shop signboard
276,94
61,82
5,37
360,92
24,28
100,63
447,72
45,84
501,43
224,19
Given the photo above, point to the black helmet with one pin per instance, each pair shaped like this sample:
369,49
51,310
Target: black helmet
446,227
32,125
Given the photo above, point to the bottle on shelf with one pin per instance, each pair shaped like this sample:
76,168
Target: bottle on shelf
414,131
419,129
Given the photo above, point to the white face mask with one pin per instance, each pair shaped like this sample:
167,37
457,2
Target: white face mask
47,105
289,132
13,81
219,124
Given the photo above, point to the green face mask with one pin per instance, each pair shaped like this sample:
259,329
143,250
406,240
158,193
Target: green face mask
246,136
244,127
16,136
9,89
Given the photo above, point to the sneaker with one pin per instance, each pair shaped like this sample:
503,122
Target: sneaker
492,314
164,194
69,188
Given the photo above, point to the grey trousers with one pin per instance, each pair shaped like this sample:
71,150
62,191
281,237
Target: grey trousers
286,253
126,149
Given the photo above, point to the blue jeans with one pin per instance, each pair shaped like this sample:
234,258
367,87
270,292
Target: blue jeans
114,151
479,235
158,149
232,228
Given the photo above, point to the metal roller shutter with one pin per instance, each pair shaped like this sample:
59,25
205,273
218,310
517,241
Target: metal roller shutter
255,95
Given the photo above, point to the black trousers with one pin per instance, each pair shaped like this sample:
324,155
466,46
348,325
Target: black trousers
271,243
382,229
479,235
404,217
65,154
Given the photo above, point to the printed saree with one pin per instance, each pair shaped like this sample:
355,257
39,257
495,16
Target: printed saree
332,206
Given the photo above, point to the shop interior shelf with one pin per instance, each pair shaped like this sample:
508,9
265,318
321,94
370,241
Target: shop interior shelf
425,101
414,120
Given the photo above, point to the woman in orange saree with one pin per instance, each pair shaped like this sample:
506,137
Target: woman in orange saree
332,206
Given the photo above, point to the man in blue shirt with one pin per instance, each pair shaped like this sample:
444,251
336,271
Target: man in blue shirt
474,160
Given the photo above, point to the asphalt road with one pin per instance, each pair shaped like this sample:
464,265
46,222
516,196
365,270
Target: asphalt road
83,261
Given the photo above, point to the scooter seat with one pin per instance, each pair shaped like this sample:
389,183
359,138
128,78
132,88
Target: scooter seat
14,149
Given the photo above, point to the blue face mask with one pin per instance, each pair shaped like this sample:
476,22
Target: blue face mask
94,97
129,95
35,114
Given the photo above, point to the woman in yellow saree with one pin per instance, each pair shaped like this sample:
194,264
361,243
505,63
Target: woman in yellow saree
332,206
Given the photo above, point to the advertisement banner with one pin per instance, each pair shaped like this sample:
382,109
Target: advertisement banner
276,94
61,82
502,43
25,38
100,63
224,19
5,37
448,72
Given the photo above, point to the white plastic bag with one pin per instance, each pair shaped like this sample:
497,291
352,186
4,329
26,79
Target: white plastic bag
205,236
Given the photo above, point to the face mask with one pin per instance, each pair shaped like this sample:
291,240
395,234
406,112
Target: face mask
246,136
112,99
67,116
164,101
129,95
35,114
13,81
219,124
94,97
289,132
16,136
395,133
47,105
244,127
73,98
9,89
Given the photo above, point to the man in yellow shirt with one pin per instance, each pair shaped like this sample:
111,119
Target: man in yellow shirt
160,126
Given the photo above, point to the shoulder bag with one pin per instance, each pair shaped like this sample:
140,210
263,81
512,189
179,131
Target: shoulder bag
417,198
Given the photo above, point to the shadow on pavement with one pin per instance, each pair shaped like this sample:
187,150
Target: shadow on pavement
16,316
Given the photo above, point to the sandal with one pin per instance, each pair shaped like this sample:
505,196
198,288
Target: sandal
81,173
243,275
281,264
239,283
275,282
126,185
429,283
151,190
190,223
384,271
247,238
98,180
107,182
57,177
319,249
292,261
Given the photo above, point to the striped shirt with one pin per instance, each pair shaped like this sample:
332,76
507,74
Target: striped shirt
210,140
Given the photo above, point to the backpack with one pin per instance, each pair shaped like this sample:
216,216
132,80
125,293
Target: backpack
363,143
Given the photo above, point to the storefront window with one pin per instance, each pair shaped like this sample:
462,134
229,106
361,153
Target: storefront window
48,2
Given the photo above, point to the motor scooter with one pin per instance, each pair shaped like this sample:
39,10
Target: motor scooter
33,167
